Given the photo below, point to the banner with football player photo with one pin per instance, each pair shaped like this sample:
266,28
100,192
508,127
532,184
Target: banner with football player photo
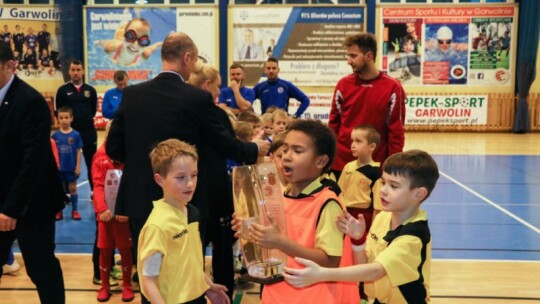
490,50
34,33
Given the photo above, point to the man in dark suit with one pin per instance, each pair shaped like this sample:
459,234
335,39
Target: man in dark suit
30,188
162,108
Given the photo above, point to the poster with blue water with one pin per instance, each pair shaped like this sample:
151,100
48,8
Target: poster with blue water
126,39
446,51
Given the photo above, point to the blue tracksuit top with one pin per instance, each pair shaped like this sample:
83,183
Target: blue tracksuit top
111,101
277,93
226,96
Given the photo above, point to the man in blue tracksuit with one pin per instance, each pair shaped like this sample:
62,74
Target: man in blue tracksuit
113,96
236,98
276,92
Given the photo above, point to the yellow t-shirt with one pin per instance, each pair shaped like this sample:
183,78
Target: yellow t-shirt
181,278
355,184
410,248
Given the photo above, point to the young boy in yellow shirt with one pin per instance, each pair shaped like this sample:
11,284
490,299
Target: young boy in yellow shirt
360,180
395,262
169,244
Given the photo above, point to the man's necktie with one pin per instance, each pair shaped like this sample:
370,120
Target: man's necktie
248,53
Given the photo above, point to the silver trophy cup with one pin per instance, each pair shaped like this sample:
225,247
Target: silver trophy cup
258,199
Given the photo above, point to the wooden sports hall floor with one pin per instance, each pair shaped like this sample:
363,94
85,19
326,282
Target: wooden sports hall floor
454,280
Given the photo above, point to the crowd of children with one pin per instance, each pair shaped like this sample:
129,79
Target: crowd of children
328,229
366,227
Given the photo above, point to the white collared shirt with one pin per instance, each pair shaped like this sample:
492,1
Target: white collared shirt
3,91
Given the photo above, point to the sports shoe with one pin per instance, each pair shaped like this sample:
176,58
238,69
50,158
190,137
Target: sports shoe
98,282
6,269
103,294
75,215
127,294
59,216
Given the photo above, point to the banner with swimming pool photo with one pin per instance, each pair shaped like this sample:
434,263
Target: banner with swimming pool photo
125,39
130,39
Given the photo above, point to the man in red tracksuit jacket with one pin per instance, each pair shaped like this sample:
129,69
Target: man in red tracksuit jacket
367,97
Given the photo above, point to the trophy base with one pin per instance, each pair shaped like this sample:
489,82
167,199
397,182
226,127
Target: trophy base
265,281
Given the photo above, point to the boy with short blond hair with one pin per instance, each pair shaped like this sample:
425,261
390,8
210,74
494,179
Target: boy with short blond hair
360,179
169,244
268,125
280,120
395,262
243,131
310,210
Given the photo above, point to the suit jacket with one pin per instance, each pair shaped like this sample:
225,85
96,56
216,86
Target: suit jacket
162,108
220,197
29,182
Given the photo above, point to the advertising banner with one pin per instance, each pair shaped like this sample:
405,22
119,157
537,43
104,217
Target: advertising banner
446,51
306,41
319,107
421,110
401,50
130,39
490,50
33,34
448,45
446,110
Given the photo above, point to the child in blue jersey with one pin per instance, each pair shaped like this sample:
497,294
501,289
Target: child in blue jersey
69,144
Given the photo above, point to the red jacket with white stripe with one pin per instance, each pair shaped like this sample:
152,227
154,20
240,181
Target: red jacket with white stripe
379,102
